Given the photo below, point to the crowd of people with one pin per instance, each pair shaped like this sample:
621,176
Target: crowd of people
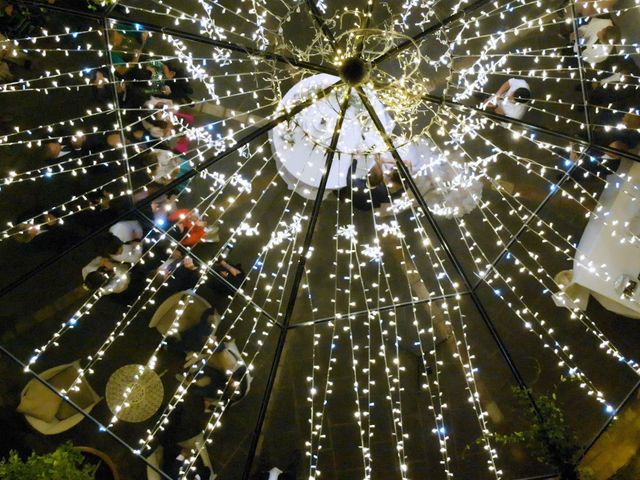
599,51
152,95
596,48
153,98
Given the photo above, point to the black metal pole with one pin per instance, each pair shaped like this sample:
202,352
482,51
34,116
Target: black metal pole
574,23
531,126
525,225
408,178
116,100
151,27
170,186
110,9
428,31
302,260
81,411
548,476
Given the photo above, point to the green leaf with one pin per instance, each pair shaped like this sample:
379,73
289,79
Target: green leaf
65,463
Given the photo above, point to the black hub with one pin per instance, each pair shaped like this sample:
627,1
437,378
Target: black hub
354,71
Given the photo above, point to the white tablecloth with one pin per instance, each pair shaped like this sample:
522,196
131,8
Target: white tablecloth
601,258
301,144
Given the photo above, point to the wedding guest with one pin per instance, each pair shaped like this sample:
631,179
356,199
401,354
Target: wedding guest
186,273
232,274
614,87
46,229
152,130
163,166
102,210
221,376
16,21
123,242
128,231
33,223
119,251
380,186
163,206
274,473
625,138
161,80
511,99
188,420
191,227
597,40
103,273
159,124
616,129
176,83
162,125
10,55
127,43
174,459
131,94
194,339
173,263
79,144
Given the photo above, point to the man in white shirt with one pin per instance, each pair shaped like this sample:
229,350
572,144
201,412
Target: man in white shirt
598,39
510,100
127,230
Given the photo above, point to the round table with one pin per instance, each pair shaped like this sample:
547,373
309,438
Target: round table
451,188
137,390
302,143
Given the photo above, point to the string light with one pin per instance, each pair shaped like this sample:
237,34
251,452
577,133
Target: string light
244,78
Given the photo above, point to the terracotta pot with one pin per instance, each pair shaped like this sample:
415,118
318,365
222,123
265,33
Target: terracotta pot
106,468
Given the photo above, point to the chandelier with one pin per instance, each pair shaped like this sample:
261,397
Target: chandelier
387,216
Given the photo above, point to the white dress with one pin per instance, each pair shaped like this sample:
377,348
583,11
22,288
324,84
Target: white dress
453,190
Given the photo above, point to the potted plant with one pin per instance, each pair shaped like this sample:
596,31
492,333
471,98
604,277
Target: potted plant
548,437
105,469
65,463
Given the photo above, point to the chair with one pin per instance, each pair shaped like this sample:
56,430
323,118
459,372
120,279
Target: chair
47,412
196,442
571,295
194,307
229,362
